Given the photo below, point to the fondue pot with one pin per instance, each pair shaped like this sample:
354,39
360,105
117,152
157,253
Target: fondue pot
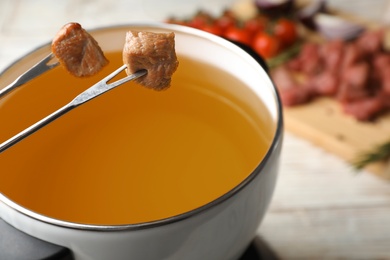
221,229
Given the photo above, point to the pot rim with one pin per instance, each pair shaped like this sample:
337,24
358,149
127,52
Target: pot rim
258,170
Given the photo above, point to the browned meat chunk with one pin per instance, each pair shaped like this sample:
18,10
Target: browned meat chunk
386,84
154,52
348,93
295,96
291,92
353,85
357,75
332,54
364,109
371,41
325,83
78,51
283,78
310,59
352,54
381,64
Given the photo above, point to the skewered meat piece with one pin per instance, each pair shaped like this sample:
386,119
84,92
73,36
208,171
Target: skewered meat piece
78,51
154,52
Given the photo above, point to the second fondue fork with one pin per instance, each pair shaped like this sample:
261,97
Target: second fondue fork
38,69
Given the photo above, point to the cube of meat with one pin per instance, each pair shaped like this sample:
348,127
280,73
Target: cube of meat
357,75
371,42
291,92
154,52
364,109
326,83
308,61
78,51
352,54
332,54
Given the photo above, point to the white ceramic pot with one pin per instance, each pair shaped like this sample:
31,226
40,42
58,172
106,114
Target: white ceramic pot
223,228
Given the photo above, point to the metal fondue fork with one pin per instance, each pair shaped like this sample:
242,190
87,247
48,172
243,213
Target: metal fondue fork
92,92
38,69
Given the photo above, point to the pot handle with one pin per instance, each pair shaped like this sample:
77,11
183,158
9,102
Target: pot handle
15,244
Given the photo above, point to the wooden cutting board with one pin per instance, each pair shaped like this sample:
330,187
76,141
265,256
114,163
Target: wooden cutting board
323,123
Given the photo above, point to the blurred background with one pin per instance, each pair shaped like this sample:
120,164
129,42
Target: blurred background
25,24
322,208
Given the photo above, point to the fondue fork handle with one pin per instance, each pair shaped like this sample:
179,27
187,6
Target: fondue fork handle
38,69
89,94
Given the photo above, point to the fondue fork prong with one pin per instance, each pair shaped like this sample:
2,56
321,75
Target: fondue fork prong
38,69
96,90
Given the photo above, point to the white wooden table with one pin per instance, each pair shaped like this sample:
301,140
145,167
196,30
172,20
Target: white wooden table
321,208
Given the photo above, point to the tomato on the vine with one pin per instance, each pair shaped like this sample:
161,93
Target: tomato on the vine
286,31
268,37
199,20
238,34
212,28
266,45
226,21
256,24
173,20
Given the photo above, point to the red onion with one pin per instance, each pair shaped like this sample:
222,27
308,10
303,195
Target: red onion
307,14
275,7
333,27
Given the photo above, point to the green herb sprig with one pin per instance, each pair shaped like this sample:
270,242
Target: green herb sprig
285,56
379,153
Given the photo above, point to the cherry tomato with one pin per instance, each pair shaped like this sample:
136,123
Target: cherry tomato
286,31
173,20
266,45
226,20
212,28
200,20
238,34
256,24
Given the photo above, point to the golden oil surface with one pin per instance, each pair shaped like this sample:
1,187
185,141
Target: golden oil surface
132,155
